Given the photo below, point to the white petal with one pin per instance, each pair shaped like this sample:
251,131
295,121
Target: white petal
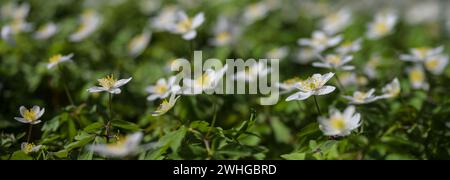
122,82
347,68
36,109
326,77
40,113
115,91
36,122
325,90
22,110
321,65
304,42
299,96
22,120
198,20
51,65
96,89
152,97
190,35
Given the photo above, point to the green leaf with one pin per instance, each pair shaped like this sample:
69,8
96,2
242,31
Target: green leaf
125,125
94,127
294,156
20,155
282,133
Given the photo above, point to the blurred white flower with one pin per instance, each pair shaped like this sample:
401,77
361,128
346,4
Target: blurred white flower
225,32
370,68
348,78
278,53
56,59
360,97
165,106
110,85
336,22
255,12
423,12
382,25
392,89
436,64
349,47
252,73
187,26
162,89
138,43
340,124
46,31
30,116
165,19
121,148
289,85
417,77
421,54
15,11
312,86
7,35
320,41
89,22
147,7
335,61
206,82
29,147
305,55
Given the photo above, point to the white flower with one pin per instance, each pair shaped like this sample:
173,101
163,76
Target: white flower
312,86
46,31
278,53
225,32
7,35
305,55
165,106
392,89
162,89
29,147
340,124
165,19
335,61
348,78
417,77
349,47
320,41
109,84
289,85
252,73
15,11
121,148
138,43
360,97
336,22
421,54
254,12
89,21
371,66
382,25
436,64
56,59
30,116
207,81
423,12
187,26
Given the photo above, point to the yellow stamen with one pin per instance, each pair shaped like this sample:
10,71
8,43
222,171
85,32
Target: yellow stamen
55,58
416,75
223,36
108,82
29,115
337,122
381,28
28,147
161,89
185,25
432,64
333,59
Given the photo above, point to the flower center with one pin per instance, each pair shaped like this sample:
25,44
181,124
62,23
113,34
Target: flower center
432,64
416,75
223,36
203,80
27,148
185,25
108,82
334,60
55,58
338,122
29,115
360,96
381,28
161,89
311,84
422,52
321,40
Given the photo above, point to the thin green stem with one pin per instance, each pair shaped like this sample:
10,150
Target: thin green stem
108,124
66,89
213,121
317,105
30,129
